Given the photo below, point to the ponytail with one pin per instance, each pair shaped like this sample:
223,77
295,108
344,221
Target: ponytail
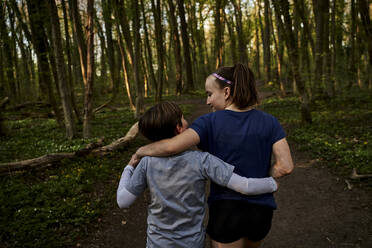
240,79
244,93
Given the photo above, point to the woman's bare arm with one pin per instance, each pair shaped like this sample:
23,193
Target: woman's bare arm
283,159
168,147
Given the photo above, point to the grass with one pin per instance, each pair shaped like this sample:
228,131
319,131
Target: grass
341,131
53,207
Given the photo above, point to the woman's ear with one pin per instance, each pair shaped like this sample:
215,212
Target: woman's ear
226,92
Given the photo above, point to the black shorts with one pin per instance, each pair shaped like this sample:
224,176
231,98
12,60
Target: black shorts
231,220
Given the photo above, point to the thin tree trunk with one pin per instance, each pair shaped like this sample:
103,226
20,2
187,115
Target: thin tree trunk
230,29
61,71
125,66
257,43
138,78
242,42
88,83
176,47
79,38
8,57
365,13
279,54
352,64
186,47
266,42
148,49
69,63
114,75
159,48
219,34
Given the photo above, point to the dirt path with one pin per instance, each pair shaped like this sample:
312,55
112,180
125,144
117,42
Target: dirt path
315,209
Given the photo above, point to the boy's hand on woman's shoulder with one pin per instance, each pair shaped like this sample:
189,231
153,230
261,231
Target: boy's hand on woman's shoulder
134,160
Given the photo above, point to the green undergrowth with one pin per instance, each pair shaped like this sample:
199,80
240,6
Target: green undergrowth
55,206
340,134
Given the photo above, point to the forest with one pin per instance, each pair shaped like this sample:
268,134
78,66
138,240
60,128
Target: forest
75,75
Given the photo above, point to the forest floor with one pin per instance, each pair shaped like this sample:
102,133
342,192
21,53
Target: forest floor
316,208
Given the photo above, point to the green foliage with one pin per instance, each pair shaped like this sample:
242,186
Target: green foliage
54,207
341,131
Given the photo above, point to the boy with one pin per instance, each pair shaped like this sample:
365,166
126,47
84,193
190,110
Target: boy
177,183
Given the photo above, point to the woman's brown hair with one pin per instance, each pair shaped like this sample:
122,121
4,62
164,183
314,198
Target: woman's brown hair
242,84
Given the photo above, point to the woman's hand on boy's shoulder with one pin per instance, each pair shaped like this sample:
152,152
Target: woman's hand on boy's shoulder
134,160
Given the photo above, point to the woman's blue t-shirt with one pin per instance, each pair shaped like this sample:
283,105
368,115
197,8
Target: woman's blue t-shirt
243,139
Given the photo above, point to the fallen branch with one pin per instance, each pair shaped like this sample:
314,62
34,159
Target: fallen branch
4,102
355,175
93,149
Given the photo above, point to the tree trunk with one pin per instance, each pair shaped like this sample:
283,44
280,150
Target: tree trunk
159,48
282,7
366,16
257,43
125,66
230,29
37,15
88,83
148,50
242,42
81,44
69,63
114,75
9,60
176,47
138,78
219,35
266,42
327,79
61,71
186,47
279,53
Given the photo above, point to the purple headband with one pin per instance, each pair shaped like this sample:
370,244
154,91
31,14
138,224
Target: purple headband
221,78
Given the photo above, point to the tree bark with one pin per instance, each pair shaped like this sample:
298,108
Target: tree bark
88,83
242,41
61,71
266,41
366,16
81,44
114,75
125,66
257,43
157,13
186,47
148,50
176,47
219,34
138,76
9,70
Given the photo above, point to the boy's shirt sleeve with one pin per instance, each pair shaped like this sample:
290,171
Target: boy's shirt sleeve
216,169
132,183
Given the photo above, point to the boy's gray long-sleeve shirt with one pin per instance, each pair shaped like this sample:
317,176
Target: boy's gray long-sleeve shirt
177,188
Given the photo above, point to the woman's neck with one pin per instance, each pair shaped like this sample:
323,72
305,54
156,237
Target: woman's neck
233,107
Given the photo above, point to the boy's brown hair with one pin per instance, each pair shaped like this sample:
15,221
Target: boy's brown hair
160,121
